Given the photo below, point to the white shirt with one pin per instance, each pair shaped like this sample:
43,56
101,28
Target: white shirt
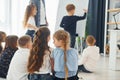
90,57
46,67
18,65
31,21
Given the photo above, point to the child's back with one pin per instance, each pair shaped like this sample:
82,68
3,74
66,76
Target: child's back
91,53
90,56
65,58
72,62
69,22
39,59
18,65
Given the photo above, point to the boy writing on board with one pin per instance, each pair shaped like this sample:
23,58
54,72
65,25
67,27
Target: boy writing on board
69,22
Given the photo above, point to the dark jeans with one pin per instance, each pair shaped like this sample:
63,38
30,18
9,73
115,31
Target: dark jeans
40,77
70,78
30,33
83,69
72,37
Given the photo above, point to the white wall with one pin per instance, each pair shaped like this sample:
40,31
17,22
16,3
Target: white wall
5,15
13,11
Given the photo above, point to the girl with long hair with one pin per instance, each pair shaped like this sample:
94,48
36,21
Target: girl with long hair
29,21
39,60
40,17
65,58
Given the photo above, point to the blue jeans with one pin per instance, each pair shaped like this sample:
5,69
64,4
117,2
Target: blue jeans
30,33
40,77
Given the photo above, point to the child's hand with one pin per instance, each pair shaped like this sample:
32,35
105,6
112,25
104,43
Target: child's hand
85,10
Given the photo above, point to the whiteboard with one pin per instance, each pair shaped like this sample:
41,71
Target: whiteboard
80,5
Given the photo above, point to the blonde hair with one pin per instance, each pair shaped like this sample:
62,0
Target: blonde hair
22,41
28,13
70,7
64,36
90,40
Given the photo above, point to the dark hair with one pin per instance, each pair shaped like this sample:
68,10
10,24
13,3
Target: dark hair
70,7
65,37
40,45
2,39
28,13
2,36
11,41
22,41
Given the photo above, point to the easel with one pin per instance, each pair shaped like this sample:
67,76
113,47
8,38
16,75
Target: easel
80,29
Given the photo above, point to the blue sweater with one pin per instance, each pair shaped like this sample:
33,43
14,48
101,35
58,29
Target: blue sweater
72,62
69,23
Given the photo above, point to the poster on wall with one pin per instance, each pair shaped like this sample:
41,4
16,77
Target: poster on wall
80,5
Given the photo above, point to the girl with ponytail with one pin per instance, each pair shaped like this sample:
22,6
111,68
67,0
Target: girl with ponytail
65,58
39,66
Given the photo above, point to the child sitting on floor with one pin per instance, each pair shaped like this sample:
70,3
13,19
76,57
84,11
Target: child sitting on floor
90,56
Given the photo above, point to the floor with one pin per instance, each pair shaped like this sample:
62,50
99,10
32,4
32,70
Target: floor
103,72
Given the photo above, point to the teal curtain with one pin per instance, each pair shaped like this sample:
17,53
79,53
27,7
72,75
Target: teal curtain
96,20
